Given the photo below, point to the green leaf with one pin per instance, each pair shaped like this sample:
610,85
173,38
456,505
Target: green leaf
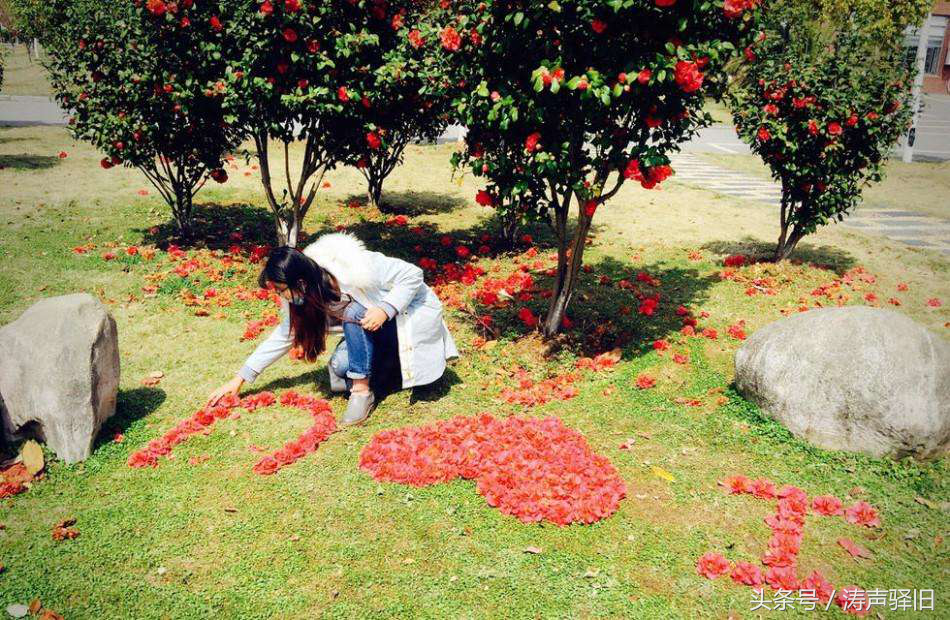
573,82
554,6
555,86
519,17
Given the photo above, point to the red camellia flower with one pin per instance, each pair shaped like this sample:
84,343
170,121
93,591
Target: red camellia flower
415,38
862,513
342,94
827,505
527,317
598,26
215,23
762,488
484,198
735,8
266,8
219,175
712,565
291,6
644,76
645,382
532,141
451,40
834,128
372,139
63,154
688,76
156,7
747,574
106,163
590,207
290,35
933,302
665,3
763,134
782,578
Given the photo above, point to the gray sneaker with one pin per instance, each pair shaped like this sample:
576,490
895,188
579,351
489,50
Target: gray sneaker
358,408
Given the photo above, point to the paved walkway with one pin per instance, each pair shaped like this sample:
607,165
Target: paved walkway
907,227
21,110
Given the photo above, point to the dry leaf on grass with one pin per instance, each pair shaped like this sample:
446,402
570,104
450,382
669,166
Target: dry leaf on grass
153,378
855,550
64,531
534,550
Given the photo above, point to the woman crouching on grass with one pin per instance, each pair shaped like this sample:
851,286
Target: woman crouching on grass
393,330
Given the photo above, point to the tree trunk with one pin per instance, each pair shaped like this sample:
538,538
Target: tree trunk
509,229
181,211
288,230
567,267
787,245
374,190
789,235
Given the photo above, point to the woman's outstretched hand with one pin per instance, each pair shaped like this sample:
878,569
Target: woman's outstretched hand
374,319
231,387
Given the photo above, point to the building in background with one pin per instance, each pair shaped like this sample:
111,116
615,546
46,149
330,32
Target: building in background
936,30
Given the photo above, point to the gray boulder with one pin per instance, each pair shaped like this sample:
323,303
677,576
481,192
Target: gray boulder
59,373
857,378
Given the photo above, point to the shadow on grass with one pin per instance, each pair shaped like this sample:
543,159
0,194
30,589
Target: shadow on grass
608,310
437,389
412,203
131,405
216,226
27,162
825,256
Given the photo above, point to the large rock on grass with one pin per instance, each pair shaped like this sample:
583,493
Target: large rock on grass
857,378
59,373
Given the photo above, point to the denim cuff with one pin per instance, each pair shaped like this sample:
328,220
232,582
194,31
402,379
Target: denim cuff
248,374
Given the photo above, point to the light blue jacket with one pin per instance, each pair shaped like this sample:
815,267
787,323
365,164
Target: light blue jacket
374,279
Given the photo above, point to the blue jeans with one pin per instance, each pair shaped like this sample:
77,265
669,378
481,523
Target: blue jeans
363,350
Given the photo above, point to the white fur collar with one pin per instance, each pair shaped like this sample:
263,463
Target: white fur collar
345,257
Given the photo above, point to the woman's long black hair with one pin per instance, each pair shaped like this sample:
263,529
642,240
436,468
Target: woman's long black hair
308,321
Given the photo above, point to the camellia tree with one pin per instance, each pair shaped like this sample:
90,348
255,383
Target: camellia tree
304,73
140,81
566,102
406,101
822,96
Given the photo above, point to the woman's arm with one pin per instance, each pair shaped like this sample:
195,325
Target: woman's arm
402,279
270,350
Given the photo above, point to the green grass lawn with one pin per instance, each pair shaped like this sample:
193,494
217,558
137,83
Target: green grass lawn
321,538
920,186
22,75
